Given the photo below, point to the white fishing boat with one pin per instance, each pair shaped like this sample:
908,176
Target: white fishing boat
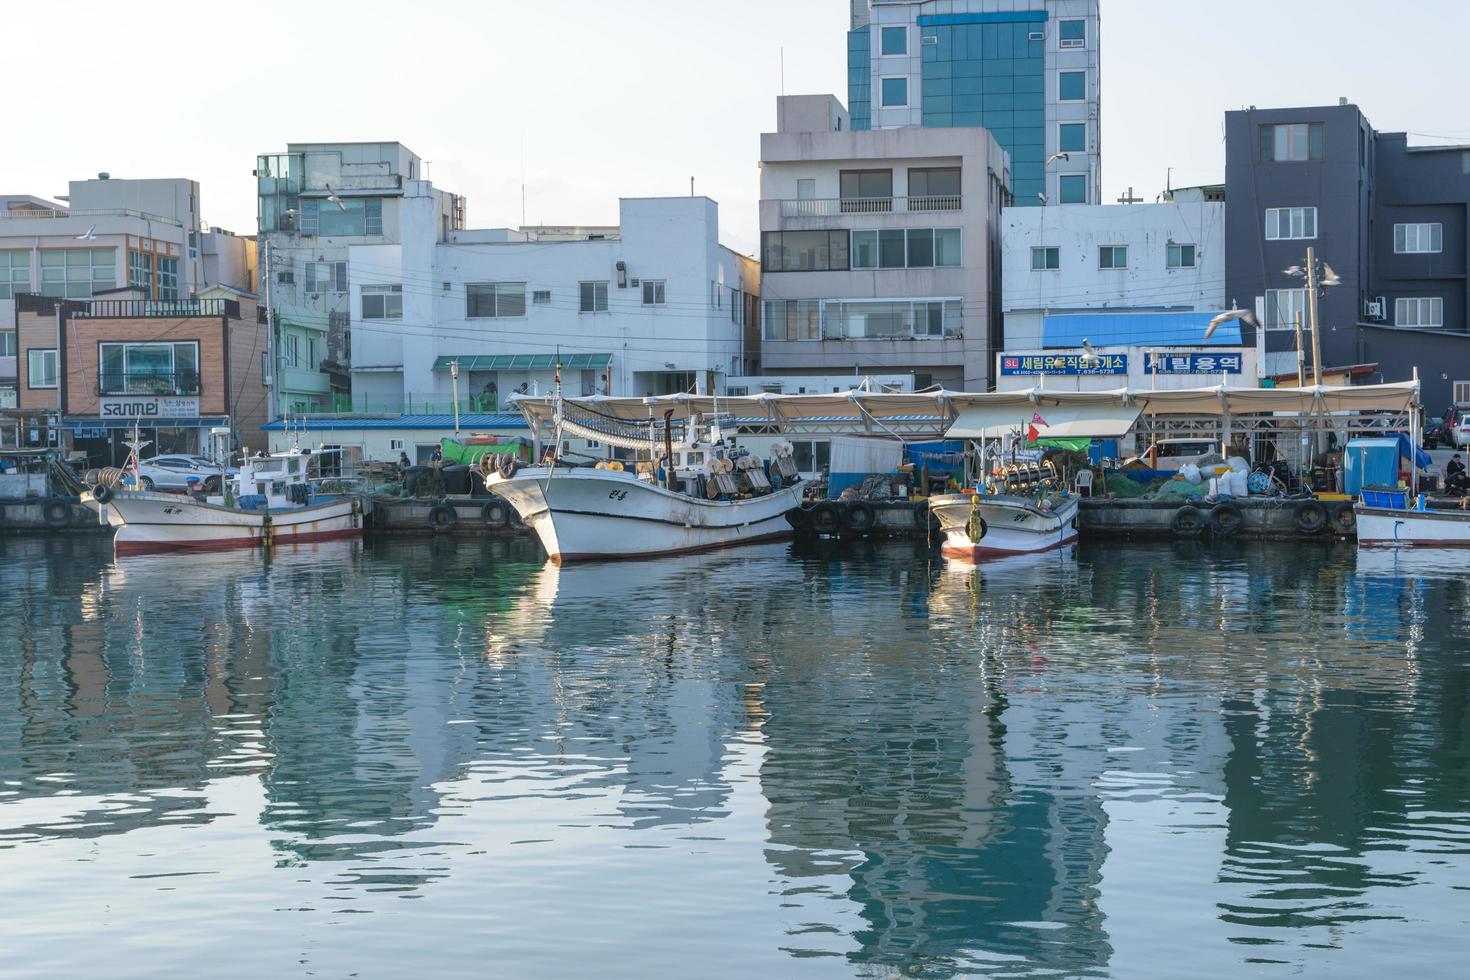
697,495
269,502
1400,526
1023,512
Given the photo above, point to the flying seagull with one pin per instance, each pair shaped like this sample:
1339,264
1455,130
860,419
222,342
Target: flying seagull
89,236
332,196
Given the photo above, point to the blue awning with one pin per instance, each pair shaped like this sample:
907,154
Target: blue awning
1185,329
75,422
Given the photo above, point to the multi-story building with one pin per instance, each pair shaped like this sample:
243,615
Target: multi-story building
105,234
1388,218
1027,70
879,249
96,368
315,202
652,306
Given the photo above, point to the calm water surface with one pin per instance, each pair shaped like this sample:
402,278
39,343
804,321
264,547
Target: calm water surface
430,758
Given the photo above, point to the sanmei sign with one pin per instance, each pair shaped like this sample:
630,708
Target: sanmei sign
1063,364
148,407
1192,364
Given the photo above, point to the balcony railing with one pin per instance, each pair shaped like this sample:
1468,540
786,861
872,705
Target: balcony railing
119,309
148,383
20,214
823,207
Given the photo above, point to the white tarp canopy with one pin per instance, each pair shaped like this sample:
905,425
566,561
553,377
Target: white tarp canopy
1104,420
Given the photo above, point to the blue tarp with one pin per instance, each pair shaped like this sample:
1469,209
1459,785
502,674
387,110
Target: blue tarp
1375,462
1124,329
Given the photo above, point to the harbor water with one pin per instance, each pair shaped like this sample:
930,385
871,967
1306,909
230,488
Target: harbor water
415,758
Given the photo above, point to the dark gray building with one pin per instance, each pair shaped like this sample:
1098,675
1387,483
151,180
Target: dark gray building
1389,219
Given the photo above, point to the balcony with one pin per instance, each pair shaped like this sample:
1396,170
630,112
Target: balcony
126,309
21,215
823,207
148,383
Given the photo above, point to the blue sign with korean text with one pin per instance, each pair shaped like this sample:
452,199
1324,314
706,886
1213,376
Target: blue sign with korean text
1156,363
1063,364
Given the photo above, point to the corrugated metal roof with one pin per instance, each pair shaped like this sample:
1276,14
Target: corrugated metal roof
467,420
1122,329
524,362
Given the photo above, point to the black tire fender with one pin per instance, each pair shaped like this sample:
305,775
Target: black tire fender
442,516
1311,516
860,516
1187,522
1226,520
102,493
56,513
826,517
1344,520
495,513
799,518
515,519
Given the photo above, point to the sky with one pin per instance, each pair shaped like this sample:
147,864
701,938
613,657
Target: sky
585,101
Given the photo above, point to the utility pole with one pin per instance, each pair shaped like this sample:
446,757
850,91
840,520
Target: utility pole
1312,315
1301,356
454,391
270,338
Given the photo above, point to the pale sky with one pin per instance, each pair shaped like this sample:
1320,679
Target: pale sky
588,101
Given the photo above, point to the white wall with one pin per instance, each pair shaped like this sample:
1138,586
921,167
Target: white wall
1079,284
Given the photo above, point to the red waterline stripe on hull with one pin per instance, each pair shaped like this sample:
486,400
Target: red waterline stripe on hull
229,544
978,552
593,556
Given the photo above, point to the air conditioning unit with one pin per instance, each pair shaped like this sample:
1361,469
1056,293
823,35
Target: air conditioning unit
1373,309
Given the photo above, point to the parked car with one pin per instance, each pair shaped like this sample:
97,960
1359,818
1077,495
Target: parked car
1173,454
1434,434
1460,434
173,472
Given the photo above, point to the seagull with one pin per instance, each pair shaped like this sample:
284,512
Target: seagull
1329,277
1244,316
1055,157
89,236
1041,198
1089,356
332,196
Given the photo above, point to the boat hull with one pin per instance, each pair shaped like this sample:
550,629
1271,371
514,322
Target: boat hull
146,523
1383,528
1013,525
584,514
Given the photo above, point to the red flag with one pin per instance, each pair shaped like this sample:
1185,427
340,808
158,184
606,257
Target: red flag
1032,435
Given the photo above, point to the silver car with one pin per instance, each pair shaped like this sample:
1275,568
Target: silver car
173,472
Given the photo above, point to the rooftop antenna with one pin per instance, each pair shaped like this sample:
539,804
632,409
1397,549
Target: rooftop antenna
523,172
691,186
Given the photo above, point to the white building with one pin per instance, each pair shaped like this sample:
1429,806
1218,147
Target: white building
652,306
879,248
1116,257
316,201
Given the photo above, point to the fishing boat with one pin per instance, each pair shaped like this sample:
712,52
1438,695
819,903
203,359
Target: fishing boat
1021,509
268,502
699,494
1385,519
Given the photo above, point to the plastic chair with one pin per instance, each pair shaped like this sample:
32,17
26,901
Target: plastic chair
1083,481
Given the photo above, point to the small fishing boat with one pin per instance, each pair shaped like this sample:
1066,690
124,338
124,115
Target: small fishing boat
1020,510
697,495
269,502
1385,519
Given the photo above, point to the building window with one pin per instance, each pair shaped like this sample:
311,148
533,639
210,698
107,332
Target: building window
168,278
41,368
1290,223
895,91
7,346
76,273
1462,392
326,277
653,292
494,300
1181,256
934,188
1073,188
916,248
895,40
811,456
1072,34
947,248
15,273
866,191
193,235
804,251
140,271
891,249
593,297
1045,257
792,319
382,301
1424,311
349,216
541,297
1283,306
1291,142
1418,237
1071,86
806,188
293,350
1112,257
1072,137
887,319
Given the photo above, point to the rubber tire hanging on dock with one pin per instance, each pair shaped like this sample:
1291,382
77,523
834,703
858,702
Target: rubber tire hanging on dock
1311,517
515,519
495,513
1344,520
56,513
826,518
799,518
860,517
1226,520
442,516
1188,522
